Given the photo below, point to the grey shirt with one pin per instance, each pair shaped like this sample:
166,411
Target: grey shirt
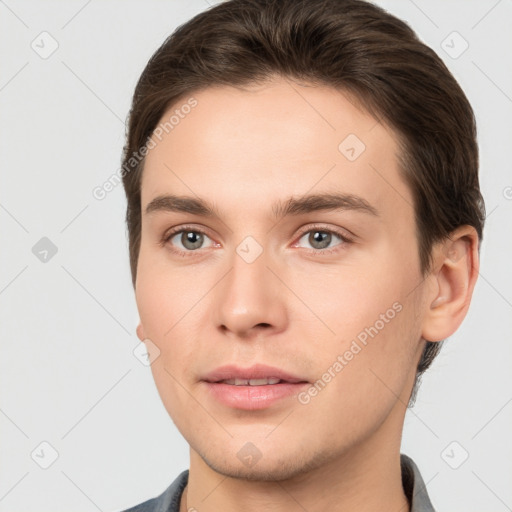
414,488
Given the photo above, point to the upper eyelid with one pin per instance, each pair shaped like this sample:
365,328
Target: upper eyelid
180,229
319,227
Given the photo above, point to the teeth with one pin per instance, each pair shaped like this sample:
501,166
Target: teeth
251,382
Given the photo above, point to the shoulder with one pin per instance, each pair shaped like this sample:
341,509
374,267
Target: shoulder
168,501
414,486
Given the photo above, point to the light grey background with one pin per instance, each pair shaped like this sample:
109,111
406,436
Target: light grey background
68,373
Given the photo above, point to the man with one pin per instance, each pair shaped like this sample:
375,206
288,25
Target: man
304,218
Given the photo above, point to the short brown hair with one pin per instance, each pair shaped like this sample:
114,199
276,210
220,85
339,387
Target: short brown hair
353,46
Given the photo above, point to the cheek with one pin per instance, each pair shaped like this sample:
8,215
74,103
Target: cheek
360,383
160,295
374,334
349,300
165,301
163,314
170,322
379,358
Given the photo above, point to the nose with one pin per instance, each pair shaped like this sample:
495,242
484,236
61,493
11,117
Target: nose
250,300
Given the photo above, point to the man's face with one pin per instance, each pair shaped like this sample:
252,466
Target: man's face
316,293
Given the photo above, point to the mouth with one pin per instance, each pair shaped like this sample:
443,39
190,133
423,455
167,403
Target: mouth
254,388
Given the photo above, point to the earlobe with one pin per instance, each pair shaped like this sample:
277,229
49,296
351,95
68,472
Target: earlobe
457,263
140,332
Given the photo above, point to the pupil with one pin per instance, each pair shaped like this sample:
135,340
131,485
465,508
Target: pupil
323,239
192,240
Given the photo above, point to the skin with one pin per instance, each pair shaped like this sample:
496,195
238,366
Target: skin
294,307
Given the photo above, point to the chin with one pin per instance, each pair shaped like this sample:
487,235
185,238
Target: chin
274,470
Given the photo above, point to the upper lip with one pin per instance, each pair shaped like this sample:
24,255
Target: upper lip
257,371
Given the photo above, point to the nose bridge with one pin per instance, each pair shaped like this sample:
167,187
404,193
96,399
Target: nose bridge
250,294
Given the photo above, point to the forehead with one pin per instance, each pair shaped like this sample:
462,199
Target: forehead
270,141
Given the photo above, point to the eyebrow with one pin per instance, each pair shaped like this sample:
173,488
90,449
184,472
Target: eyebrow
292,206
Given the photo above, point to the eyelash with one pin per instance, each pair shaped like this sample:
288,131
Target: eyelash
343,237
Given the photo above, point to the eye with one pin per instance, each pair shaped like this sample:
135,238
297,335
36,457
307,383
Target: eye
185,240
321,238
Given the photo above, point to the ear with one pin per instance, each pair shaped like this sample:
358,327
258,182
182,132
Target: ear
140,332
455,270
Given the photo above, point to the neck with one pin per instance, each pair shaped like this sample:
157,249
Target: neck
367,478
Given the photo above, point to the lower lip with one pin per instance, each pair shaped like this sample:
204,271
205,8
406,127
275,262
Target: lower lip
253,397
